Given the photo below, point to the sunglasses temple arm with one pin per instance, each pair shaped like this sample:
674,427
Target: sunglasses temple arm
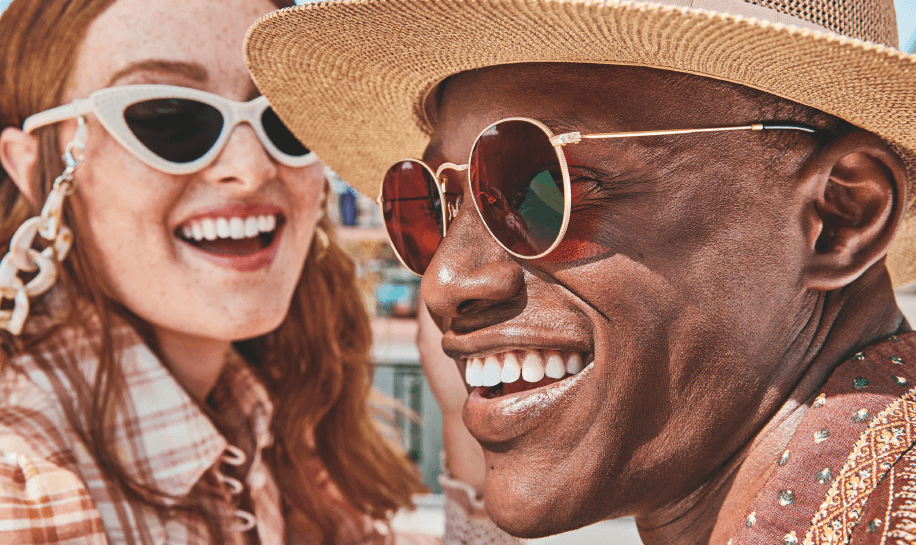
56,115
575,137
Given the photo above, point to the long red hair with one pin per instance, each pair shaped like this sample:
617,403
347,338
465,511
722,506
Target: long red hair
315,365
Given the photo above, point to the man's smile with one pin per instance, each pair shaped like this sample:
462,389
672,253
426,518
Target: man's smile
521,370
499,419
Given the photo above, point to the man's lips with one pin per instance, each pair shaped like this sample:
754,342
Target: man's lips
499,419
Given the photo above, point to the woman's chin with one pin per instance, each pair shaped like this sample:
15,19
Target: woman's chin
228,325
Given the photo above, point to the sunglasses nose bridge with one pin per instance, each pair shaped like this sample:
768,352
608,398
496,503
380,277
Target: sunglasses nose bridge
245,112
450,207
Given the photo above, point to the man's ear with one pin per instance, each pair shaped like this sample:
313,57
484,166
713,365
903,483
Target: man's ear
19,158
856,190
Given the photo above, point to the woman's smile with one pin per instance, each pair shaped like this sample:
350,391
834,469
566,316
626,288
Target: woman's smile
244,237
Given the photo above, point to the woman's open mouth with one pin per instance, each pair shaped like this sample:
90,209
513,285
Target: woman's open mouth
520,370
242,242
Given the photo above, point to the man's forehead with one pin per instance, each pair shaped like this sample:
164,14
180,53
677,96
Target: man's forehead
586,98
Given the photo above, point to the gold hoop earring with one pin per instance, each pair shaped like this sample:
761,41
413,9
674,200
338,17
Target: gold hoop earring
323,242
22,257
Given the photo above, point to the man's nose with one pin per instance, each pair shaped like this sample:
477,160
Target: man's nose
470,270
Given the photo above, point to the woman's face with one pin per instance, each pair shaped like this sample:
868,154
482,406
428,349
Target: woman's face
139,219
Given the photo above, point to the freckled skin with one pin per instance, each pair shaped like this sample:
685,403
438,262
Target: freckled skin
132,210
686,270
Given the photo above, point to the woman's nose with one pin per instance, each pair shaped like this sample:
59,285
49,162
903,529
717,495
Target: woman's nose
470,270
243,161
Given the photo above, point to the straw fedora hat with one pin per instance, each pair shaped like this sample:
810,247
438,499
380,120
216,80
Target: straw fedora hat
352,78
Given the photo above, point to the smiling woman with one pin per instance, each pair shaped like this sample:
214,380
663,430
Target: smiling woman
200,370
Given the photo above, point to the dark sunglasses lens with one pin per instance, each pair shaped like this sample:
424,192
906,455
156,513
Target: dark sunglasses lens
412,210
280,135
177,129
517,183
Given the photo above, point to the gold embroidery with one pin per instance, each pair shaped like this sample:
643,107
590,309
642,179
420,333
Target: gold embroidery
905,526
888,436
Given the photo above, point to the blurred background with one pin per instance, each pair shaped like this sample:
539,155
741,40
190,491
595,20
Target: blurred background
390,293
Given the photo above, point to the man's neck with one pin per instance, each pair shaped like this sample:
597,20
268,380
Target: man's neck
842,322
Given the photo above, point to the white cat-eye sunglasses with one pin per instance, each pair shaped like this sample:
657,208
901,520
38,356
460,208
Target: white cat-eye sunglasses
178,130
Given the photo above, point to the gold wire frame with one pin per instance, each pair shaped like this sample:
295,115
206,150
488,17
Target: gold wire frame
557,141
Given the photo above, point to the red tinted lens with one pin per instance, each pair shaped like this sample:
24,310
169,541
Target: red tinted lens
517,183
412,208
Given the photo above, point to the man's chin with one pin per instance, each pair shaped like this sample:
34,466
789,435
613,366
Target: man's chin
530,508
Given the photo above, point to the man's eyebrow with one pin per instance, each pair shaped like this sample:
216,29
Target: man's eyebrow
433,150
560,125
193,71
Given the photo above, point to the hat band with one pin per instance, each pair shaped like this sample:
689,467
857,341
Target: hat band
744,9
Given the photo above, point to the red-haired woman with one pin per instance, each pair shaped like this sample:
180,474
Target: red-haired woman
194,369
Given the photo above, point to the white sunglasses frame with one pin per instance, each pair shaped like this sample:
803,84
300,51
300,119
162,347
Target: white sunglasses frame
108,106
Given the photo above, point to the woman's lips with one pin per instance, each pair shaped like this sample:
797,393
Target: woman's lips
245,262
494,420
243,237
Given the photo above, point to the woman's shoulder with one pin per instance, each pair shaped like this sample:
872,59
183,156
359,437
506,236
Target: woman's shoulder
40,496
41,490
32,419
39,383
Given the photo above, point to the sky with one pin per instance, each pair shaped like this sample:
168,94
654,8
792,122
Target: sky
906,20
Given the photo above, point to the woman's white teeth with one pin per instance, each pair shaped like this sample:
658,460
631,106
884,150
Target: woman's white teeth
232,228
237,228
209,229
251,227
222,227
535,365
267,224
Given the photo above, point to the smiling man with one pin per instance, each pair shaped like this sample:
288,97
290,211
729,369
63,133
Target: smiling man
656,238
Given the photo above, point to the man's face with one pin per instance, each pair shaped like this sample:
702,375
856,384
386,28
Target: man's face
680,275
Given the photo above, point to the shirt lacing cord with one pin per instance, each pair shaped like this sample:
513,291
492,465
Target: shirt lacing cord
235,456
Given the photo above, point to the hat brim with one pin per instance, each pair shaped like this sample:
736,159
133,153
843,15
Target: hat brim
350,78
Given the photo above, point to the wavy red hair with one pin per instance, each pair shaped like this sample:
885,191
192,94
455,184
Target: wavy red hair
316,365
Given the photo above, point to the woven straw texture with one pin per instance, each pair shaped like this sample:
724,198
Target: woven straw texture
351,77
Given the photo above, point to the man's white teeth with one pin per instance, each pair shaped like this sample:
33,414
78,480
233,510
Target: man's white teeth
574,364
492,371
473,373
555,367
512,369
231,228
535,365
532,367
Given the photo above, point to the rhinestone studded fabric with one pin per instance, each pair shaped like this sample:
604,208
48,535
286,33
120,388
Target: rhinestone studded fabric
849,439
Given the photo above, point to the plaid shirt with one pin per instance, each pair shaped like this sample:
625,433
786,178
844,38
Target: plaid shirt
52,489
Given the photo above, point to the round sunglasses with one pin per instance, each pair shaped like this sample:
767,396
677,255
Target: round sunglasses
178,130
519,180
